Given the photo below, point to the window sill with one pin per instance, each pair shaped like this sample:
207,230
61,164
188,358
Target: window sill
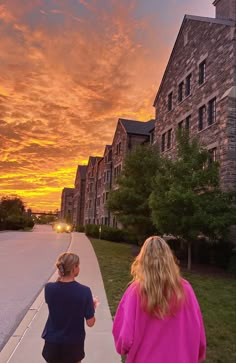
179,103
202,84
206,128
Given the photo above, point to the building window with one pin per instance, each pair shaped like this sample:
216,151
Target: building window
169,139
118,148
180,91
166,140
163,142
108,176
212,111
212,155
181,125
188,122
117,171
188,85
201,117
202,72
170,101
98,202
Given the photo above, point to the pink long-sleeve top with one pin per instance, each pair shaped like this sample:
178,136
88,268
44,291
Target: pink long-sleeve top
147,339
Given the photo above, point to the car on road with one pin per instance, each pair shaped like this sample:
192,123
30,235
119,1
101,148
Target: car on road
60,227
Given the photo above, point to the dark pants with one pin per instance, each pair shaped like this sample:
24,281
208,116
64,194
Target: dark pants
63,352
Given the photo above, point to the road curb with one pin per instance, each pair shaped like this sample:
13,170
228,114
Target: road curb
14,341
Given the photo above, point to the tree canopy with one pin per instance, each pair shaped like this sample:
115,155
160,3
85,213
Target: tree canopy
186,200
130,201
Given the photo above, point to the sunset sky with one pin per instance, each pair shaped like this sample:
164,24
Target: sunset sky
68,70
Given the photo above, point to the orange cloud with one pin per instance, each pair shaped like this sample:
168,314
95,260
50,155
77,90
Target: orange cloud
69,70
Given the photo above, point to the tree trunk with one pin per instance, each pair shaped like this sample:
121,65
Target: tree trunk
189,256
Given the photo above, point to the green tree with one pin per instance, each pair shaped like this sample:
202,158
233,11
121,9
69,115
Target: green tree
11,206
186,200
129,202
13,214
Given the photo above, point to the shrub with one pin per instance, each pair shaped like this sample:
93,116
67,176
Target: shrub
92,230
131,237
16,222
232,263
112,234
79,228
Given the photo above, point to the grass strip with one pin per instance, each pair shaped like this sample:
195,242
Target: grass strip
216,295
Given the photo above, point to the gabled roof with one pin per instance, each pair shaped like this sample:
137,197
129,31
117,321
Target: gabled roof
93,160
81,172
193,18
137,127
68,190
107,148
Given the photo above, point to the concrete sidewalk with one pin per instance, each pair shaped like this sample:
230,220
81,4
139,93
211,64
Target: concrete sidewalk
26,344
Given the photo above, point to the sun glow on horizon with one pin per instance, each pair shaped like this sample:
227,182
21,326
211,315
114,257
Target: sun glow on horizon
69,70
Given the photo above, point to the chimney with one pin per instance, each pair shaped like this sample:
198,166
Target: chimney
225,9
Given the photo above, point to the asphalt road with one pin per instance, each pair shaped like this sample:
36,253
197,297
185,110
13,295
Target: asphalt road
27,260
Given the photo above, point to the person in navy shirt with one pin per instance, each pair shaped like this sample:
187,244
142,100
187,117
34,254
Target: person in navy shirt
70,304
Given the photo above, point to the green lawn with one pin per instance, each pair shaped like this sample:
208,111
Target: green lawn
217,297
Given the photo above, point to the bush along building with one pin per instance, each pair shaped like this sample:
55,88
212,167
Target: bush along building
198,89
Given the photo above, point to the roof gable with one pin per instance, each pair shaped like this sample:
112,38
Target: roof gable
190,18
92,160
137,127
81,172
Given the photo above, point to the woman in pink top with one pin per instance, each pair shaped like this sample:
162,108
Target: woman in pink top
158,319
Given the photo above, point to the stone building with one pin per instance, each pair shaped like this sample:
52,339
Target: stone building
104,186
103,172
91,190
79,195
67,204
128,134
198,89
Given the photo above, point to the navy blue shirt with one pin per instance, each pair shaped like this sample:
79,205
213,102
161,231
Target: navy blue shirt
69,303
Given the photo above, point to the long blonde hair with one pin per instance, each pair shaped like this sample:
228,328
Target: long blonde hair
158,278
66,262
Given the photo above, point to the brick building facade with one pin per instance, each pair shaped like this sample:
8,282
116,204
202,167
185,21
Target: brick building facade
67,204
197,92
198,89
91,190
103,215
79,195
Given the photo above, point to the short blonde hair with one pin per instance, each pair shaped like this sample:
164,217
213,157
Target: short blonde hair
158,278
66,262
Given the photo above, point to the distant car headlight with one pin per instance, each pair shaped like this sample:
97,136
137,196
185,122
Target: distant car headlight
68,228
59,227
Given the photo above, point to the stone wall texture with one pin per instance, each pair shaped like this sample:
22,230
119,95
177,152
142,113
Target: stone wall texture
213,43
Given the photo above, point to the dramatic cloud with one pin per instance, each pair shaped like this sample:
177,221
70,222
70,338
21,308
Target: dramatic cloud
69,70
